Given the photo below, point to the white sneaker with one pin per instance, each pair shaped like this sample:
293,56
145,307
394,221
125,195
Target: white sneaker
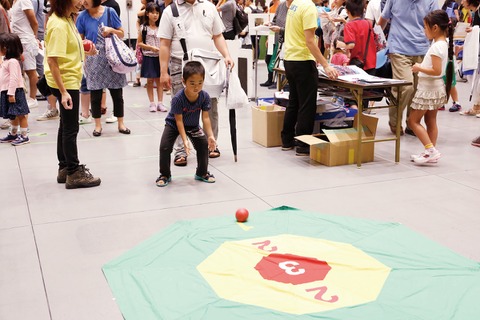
153,107
32,103
413,156
161,107
428,157
49,115
6,124
83,120
111,119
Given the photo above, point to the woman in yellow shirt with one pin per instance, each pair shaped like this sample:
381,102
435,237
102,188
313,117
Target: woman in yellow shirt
63,72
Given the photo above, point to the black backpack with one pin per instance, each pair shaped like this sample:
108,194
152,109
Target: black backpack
242,17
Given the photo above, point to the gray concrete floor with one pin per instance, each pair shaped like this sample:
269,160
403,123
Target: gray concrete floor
53,242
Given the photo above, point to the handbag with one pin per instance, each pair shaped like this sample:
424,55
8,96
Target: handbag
43,87
139,55
120,57
215,70
237,98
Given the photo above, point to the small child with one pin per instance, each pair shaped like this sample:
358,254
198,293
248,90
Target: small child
150,45
13,101
184,120
432,91
339,57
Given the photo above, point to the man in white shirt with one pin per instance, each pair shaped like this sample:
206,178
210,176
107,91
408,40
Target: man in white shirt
25,25
373,11
200,25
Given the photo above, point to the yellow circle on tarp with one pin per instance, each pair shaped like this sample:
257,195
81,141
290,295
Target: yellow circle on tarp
353,278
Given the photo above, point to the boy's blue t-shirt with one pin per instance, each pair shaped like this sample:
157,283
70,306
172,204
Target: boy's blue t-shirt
190,110
88,26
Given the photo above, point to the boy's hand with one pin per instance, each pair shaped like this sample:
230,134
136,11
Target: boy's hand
11,99
186,146
212,144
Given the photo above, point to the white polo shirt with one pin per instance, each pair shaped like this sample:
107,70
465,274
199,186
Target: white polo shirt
197,23
19,21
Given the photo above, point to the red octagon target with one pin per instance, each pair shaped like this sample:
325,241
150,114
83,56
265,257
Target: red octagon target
290,268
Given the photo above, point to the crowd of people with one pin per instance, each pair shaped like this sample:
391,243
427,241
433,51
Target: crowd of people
43,40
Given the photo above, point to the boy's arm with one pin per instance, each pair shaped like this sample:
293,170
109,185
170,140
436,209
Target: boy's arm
207,127
181,130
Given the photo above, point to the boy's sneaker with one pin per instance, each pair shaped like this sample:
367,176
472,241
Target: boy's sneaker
442,108
428,157
32,103
6,125
455,107
83,120
82,178
161,107
153,107
21,140
9,138
111,119
49,115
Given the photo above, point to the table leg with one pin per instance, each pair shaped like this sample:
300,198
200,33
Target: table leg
399,126
359,96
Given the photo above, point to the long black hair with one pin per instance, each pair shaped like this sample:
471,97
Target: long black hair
440,18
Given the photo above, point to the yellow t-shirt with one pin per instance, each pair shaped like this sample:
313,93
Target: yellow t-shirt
302,15
64,42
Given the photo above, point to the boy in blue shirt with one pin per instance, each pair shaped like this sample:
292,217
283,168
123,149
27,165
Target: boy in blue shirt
184,120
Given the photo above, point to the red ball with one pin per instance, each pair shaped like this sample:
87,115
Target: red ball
87,45
241,215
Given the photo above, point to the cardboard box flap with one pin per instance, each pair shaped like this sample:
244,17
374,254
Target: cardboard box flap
310,140
269,108
369,122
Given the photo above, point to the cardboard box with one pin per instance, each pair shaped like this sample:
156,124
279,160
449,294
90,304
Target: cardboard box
267,124
339,146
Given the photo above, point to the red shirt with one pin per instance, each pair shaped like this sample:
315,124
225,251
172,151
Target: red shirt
356,31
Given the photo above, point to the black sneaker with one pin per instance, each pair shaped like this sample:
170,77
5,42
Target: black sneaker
410,132
273,86
82,178
302,151
266,84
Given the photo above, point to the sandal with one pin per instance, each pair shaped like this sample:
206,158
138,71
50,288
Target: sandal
472,111
124,131
163,181
208,178
180,161
214,154
97,133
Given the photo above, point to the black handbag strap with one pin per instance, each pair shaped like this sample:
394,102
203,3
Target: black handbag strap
182,40
366,45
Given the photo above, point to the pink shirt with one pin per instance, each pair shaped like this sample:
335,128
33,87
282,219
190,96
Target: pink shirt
10,76
340,59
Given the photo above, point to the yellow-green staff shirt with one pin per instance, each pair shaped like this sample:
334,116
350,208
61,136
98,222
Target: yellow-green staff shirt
302,15
64,42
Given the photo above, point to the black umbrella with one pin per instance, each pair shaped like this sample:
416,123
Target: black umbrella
231,117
